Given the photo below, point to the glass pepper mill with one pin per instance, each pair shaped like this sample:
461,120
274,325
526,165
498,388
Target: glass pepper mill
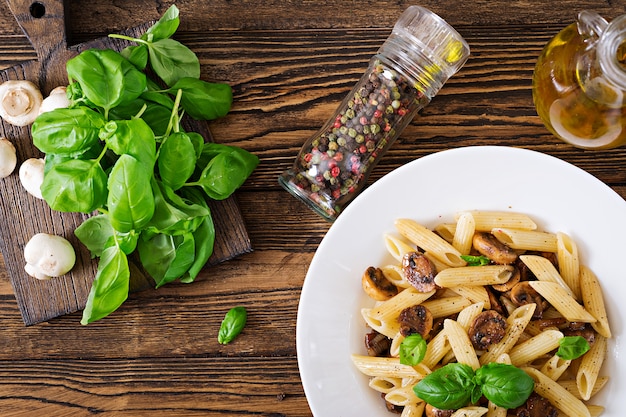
579,83
412,65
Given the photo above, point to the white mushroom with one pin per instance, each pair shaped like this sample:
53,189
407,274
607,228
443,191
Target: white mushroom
57,99
19,102
31,176
8,158
48,256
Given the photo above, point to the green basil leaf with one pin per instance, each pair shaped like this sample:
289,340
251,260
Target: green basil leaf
204,235
177,160
110,288
106,78
225,168
572,347
171,60
67,131
203,100
449,387
156,254
75,186
504,385
130,200
412,349
132,137
94,233
476,260
165,27
232,325
136,55
174,215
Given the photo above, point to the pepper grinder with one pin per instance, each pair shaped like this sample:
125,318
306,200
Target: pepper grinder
409,69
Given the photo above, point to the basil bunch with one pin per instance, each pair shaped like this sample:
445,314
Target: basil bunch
455,385
119,150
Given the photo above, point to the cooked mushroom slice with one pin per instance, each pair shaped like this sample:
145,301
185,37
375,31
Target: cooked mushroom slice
486,329
19,102
536,406
515,278
431,411
376,285
581,329
377,344
487,244
522,293
415,319
419,271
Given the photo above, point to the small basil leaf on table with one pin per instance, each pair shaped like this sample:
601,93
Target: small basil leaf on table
165,27
110,288
204,235
233,323
75,186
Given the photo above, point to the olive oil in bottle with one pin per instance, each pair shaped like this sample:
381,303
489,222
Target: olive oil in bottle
579,83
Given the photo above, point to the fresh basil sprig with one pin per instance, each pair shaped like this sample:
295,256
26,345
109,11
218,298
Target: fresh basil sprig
119,152
572,347
456,385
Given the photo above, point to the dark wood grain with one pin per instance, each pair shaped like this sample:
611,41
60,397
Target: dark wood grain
289,63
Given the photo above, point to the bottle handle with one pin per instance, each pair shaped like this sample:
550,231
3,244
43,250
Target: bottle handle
591,24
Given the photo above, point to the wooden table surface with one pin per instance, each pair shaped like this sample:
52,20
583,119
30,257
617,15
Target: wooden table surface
289,63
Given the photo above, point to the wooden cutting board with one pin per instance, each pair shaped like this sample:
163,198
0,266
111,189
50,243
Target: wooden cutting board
22,215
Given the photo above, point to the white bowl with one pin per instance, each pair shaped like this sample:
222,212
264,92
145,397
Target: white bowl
556,194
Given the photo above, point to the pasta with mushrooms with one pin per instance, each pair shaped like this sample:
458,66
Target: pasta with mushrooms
494,289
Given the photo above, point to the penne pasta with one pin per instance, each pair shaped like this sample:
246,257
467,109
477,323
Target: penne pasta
387,327
397,247
402,396
384,384
406,298
569,264
555,367
556,295
384,367
535,347
526,240
429,241
470,412
485,221
446,231
544,270
589,368
594,301
474,275
475,294
460,344
464,233
444,307
558,396
516,323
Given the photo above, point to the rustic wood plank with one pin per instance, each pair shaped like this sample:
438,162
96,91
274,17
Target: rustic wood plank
192,386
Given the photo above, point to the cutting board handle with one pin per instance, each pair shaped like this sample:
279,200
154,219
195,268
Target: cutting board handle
43,22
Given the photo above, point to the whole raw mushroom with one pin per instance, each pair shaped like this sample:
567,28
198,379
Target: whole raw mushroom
57,99
8,158
48,256
31,176
19,102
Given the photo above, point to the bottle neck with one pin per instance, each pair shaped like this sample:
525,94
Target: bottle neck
611,52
